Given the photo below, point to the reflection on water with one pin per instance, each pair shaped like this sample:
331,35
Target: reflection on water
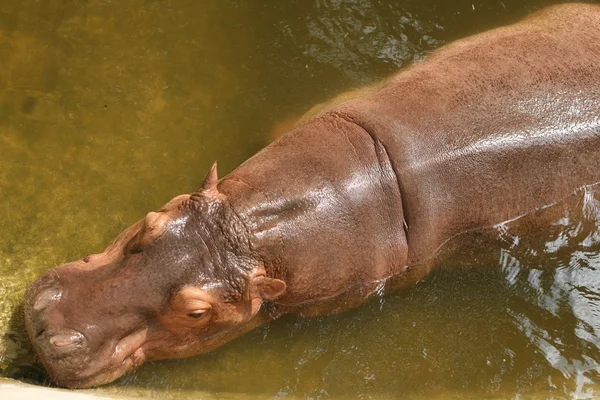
108,109
559,277
356,33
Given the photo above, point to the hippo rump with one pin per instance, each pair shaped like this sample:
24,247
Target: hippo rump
346,205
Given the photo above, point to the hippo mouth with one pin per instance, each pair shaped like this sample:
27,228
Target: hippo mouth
109,373
78,356
101,367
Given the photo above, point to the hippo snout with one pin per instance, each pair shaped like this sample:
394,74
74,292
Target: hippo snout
54,344
66,341
75,351
42,298
44,321
44,291
46,325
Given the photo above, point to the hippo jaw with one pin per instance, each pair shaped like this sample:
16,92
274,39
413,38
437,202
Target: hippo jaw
127,355
181,282
64,352
114,360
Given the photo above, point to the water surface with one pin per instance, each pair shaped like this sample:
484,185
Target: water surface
110,108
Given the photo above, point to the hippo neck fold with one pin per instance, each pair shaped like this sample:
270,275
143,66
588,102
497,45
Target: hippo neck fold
324,212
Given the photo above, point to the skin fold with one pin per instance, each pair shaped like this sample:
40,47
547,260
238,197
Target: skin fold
350,203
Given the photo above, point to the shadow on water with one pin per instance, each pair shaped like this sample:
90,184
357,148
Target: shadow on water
108,109
19,361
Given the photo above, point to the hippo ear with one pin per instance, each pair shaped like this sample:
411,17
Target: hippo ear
267,288
209,186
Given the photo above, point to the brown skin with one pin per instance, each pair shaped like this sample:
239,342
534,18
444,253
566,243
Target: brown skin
350,203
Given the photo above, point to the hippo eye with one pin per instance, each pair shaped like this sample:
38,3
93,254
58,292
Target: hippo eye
188,302
196,314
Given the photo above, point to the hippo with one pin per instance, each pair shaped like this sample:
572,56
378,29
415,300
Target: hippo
347,205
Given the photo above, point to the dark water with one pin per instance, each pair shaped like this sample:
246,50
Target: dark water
110,108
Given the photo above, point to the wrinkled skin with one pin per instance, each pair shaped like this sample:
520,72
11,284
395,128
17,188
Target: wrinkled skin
350,203
97,334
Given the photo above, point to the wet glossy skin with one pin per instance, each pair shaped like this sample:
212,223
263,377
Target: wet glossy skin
406,167
147,298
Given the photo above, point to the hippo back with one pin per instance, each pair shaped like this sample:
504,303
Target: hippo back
491,127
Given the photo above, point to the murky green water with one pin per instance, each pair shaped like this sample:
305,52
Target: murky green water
110,108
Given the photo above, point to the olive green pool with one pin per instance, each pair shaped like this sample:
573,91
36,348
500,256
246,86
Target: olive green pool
110,108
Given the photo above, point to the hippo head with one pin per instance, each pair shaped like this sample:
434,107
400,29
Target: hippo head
180,282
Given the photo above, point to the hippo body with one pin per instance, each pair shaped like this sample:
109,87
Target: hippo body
478,134
349,204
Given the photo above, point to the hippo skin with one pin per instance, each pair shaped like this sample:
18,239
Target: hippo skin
347,205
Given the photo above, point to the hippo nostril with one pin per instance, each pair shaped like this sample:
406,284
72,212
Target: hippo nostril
67,339
47,297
